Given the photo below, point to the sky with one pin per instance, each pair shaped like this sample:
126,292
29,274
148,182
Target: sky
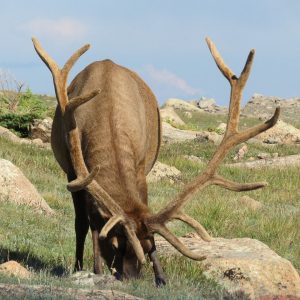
163,41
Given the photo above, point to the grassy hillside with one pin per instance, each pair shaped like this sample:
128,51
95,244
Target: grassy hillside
47,244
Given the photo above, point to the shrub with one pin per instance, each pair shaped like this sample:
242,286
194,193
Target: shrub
18,123
31,104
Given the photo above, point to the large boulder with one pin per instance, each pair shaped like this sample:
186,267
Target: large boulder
206,103
41,129
264,107
168,114
16,188
243,265
162,171
171,134
281,133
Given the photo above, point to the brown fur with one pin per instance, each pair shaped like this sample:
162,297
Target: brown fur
120,131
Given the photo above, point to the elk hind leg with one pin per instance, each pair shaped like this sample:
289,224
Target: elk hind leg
81,227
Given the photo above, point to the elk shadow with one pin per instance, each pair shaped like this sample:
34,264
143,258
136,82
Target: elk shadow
33,262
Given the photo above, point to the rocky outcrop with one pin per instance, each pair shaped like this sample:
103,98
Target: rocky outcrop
13,268
264,107
168,114
273,162
162,171
16,188
41,129
209,105
281,133
171,134
244,265
181,105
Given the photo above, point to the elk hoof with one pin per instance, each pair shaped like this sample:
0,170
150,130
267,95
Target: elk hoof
160,281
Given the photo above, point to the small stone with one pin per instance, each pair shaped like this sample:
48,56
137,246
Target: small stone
250,203
188,114
263,155
38,142
241,153
193,158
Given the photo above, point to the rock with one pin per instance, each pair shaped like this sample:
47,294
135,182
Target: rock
263,107
22,291
281,133
38,142
16,188
263,155
210,106
209,136
248,202
85,278
41,129
241,152
13,268
168,114
188,114
206,103
162,171
181,104
243,265
194,159
7,134
174,135
222,128
276,162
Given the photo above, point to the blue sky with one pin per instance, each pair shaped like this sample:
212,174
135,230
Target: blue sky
163,41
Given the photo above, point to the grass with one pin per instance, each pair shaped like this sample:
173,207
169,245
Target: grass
46,244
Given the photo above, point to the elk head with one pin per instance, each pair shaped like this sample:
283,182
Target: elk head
131,236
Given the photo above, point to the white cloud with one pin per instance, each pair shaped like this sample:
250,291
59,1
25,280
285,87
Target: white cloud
64,28
170,79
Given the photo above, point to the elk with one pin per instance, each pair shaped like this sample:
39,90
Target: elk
106,137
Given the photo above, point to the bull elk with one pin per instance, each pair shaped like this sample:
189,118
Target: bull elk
106,137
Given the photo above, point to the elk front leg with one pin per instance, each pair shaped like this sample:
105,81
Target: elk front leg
160,278
81,227
96,226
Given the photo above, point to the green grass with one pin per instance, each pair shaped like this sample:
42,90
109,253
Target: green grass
46,244
207,121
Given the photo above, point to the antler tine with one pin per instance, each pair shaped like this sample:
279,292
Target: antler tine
73,59
237,85
49,62
176,243
106,206
226,71
156,223
60,76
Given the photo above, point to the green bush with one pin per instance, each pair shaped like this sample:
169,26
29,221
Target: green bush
18,123
31,104
26,103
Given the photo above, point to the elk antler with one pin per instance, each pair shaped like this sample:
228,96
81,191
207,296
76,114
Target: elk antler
232,137
107,207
